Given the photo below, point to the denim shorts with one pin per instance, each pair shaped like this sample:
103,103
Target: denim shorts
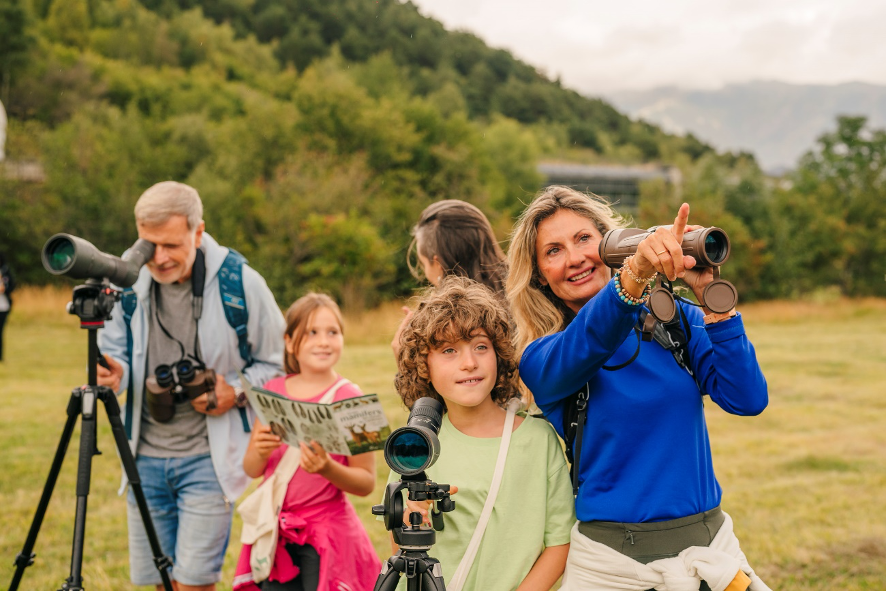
191,516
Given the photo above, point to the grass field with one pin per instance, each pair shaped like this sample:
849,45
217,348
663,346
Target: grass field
804,482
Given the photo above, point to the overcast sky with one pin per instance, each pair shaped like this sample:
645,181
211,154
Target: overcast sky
597,47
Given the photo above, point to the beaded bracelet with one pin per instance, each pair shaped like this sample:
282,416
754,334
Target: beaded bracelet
634,277
627,297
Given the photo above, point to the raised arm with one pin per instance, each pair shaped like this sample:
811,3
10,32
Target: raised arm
555,366
726,366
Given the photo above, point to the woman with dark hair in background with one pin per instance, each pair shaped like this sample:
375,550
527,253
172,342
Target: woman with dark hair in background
454,237
7,285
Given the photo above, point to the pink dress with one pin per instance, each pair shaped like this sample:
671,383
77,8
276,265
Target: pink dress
317,513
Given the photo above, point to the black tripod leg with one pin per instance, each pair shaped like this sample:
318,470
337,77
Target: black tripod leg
389,576
84,470
26,557
162,562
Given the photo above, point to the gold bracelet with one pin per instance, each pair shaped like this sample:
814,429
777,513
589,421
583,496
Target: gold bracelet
632,275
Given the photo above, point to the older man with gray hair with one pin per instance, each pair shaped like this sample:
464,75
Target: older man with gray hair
172,345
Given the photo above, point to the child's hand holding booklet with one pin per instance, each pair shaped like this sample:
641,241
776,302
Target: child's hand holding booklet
347,427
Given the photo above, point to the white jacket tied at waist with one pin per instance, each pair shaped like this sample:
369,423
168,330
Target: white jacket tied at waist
594,566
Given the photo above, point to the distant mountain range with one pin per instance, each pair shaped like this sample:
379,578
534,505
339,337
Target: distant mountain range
775,121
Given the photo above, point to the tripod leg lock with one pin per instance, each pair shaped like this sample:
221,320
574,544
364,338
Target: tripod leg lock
163,563
24,560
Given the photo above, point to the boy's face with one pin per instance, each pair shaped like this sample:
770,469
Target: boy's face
464,373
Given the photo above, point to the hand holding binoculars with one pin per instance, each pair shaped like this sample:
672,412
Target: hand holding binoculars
175,383
709,246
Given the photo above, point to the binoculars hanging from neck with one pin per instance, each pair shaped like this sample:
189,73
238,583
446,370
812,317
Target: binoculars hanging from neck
709,246
172,384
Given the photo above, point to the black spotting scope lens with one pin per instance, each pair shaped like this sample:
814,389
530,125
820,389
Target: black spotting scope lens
60,254
408,452
412,449
716,247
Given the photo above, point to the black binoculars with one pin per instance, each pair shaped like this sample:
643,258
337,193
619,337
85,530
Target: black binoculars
180,382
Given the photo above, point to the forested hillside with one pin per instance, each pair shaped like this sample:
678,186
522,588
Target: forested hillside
316,132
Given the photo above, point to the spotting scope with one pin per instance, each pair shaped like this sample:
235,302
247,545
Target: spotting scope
64,254
413,448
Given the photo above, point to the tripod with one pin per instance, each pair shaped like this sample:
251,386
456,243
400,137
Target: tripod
423,572
92,303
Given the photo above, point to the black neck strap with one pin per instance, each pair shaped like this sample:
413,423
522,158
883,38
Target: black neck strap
198,277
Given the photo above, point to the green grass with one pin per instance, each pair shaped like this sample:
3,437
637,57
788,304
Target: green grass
804,481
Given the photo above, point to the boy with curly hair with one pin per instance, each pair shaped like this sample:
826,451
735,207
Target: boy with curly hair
457,349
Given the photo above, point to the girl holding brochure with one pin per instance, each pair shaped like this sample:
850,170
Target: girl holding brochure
320,542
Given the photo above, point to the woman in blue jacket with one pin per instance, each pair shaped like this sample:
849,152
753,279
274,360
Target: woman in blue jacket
648,502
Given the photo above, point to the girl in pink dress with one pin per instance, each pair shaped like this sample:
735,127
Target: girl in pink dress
321,543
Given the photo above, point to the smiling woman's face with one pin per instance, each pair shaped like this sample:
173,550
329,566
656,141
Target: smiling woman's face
567,258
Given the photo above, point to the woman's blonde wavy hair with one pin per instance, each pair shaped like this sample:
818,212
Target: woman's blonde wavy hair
454,311
536,310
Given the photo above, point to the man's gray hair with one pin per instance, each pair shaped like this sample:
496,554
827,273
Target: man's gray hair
166,199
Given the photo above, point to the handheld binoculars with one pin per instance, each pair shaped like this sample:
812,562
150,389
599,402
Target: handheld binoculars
709,246
176,383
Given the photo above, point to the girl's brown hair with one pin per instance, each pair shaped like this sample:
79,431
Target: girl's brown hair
455,311
297,317
462,239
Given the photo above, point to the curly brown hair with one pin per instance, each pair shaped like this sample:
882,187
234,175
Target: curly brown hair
455,311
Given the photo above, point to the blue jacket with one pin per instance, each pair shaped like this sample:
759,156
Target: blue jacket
218,345
646,454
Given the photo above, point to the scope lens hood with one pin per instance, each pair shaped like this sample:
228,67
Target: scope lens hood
409,450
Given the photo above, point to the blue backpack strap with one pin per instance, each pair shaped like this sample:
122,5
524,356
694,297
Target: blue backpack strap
128,301
236,312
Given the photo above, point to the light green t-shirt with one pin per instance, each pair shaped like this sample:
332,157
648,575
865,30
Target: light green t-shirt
534,508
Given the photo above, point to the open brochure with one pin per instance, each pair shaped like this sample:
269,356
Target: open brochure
347,427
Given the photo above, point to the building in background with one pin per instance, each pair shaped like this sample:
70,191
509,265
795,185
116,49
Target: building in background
621,185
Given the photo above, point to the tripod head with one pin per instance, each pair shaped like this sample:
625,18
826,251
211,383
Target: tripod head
415,540
93,302
419,488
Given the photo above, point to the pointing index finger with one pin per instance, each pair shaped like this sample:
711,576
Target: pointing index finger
680,222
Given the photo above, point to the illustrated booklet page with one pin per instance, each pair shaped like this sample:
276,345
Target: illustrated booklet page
347,427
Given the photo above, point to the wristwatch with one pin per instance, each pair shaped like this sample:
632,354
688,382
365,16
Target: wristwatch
240,400
714,317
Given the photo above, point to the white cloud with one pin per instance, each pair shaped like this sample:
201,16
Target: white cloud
599,47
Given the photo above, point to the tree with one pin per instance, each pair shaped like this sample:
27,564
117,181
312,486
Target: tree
15,42
832,221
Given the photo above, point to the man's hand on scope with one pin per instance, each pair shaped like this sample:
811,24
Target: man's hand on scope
110,377
422,507
225,398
